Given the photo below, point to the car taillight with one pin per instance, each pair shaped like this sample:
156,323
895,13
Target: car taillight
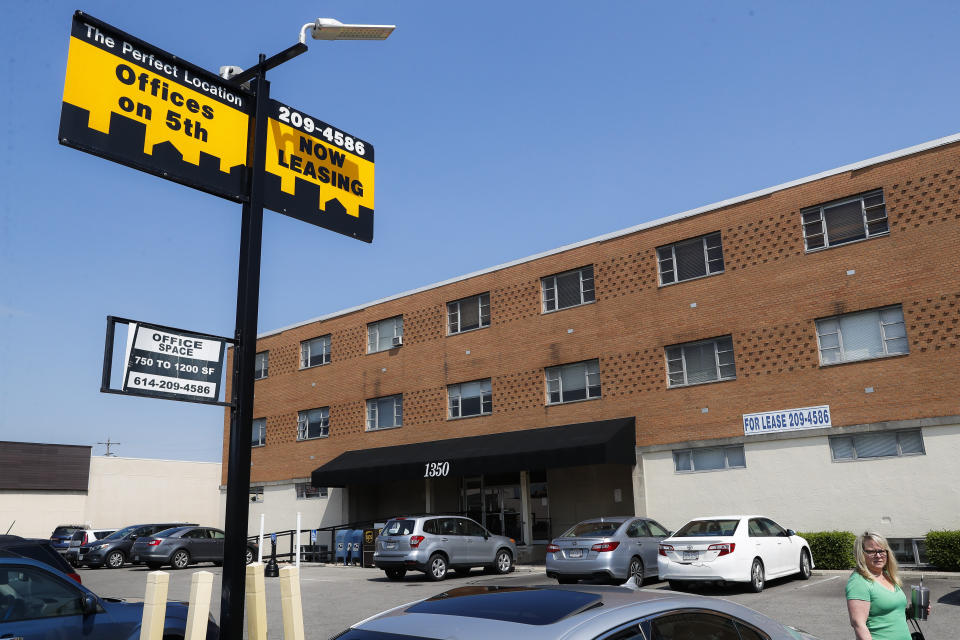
75,577
552,548
664,548
415,541
724,548
153,543
84,539
605,546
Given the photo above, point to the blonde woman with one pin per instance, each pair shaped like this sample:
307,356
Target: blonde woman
875,599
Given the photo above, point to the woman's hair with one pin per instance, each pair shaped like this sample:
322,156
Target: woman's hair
891,567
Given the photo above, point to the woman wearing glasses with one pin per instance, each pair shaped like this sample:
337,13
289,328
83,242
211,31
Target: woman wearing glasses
875,599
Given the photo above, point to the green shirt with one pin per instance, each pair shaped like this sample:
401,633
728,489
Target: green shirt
888,618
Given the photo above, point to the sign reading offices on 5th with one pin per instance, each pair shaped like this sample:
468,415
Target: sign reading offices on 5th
172,364
130,102
138,105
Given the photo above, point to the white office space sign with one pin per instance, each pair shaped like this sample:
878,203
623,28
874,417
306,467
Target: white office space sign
786,420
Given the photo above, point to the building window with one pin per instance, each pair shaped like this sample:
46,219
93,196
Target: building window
572,382
314,423
709,459
385,413
847,220
306,491
690,259
261,364
314,353
259,434
468,313
385,334
568,289
699,362
862,335
470,399
256,494
886,444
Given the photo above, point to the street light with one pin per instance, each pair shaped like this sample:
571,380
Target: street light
248,300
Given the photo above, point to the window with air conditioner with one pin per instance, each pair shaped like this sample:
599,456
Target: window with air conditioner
314,423
846,220
468,314
470,399
573,382
385,334
863,335
315,352
385,413
690,259
567,289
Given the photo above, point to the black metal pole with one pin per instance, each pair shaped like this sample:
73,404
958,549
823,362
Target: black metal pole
241,415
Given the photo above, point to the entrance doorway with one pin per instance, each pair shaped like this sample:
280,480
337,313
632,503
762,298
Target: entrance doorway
494,501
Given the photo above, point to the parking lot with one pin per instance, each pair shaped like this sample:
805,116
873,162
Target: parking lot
334,597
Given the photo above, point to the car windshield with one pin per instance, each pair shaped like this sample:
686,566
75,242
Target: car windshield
699,528
592,530
122,533
399,527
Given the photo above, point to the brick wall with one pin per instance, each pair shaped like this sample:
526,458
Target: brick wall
767,300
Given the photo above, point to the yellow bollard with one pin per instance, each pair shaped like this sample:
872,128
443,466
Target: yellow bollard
291,603
201,586
155,605
256,603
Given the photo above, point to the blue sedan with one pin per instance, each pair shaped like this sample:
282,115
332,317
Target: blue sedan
41,603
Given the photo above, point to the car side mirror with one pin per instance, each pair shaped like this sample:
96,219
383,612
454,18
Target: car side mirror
791,532
131,537
88,604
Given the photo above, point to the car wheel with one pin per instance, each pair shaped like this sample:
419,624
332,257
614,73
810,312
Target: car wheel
153,566
804,565
756,576
180,559
566,580
678,585
115,559
437,567
503,562
636,571
395,574
251,556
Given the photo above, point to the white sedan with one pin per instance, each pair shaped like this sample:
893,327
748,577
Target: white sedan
733,549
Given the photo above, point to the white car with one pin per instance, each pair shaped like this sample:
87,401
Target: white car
733,549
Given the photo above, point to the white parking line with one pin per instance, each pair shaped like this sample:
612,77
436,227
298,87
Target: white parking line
810,584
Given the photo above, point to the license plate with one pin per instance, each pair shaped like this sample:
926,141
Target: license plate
79,558
389,545
136,558
575,553
691,555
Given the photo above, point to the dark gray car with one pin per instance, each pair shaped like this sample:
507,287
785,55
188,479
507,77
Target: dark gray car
182,546
114,550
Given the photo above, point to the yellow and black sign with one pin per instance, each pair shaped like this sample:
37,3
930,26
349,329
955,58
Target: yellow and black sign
133,103
318,174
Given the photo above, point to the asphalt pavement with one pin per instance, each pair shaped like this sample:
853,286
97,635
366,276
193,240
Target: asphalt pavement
334,597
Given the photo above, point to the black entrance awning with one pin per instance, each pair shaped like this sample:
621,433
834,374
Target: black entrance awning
602,442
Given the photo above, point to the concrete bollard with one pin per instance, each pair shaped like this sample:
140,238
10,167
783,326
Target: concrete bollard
256,603
155,606
201,586
291,603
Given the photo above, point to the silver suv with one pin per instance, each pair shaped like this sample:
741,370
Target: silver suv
434,544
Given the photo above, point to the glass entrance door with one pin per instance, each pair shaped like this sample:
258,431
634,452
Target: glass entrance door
495,503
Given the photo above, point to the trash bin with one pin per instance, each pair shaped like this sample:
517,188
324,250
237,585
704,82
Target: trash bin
342,546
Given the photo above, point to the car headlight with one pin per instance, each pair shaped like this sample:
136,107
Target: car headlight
97,547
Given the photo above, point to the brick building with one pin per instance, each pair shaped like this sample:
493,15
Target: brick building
621,374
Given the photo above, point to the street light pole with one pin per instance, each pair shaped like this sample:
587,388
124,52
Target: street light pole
248,302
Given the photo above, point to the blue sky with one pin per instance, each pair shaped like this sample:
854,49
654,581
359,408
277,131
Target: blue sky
502,129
